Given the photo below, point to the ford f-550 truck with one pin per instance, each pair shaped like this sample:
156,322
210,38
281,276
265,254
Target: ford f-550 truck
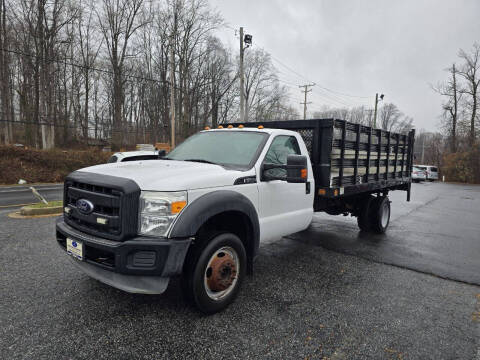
201,211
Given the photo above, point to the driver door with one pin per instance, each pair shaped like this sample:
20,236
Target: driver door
285,208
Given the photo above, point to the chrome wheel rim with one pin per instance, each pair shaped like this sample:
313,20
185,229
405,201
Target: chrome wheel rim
221,273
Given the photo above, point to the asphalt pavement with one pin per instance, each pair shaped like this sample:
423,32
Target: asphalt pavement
437,232
15,195
306,300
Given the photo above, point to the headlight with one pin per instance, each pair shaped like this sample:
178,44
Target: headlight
158,210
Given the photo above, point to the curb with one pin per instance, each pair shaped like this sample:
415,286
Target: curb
30,184
17,215
29,211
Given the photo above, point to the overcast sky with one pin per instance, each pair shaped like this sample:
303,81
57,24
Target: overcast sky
359,48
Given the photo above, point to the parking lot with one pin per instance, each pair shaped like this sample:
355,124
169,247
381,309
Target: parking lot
328,292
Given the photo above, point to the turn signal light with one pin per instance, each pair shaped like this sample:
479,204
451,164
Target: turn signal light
303,173
177,206
322,192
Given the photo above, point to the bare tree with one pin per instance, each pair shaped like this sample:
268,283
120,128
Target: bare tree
89,49
390,116
6,107
470,71
259,79
221,77
77,72
450,90
118,22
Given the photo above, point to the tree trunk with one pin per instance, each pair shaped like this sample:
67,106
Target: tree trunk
117,110
455,108
474,116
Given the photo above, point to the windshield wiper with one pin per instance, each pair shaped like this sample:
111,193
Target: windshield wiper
201,161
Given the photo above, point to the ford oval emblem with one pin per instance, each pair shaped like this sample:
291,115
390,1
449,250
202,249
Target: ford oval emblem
84,206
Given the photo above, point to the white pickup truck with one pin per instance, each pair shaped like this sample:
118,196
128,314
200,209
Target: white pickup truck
202,211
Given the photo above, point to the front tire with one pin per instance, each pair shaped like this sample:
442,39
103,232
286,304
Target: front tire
214,272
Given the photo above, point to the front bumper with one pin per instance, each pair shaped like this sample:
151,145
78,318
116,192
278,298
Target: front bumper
140,265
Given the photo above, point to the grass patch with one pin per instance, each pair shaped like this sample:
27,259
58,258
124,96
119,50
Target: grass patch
41,205
44,166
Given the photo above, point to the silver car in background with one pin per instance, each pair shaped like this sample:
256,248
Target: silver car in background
418,174
430,171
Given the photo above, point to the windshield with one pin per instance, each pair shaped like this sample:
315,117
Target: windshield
237,149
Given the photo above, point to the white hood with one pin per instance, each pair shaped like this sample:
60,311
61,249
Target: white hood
170,175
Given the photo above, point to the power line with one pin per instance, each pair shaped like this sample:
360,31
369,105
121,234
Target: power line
307,79
100,128
323,87
66,61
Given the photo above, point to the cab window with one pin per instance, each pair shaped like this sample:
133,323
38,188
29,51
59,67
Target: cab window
281,147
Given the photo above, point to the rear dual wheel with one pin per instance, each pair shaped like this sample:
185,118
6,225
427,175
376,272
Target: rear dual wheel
374,215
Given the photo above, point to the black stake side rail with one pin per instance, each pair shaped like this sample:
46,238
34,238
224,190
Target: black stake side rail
330,140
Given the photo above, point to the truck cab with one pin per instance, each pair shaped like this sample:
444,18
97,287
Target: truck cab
200,212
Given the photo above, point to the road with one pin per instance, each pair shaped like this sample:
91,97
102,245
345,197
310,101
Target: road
329,292
21,194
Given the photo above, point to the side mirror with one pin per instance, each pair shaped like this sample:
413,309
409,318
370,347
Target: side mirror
297,169
161,153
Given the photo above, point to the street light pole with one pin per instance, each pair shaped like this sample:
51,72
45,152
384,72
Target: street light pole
242,80
375,112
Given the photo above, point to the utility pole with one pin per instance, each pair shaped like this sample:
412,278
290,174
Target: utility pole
423,149
375,112
172,78
172,93
242,80
305,91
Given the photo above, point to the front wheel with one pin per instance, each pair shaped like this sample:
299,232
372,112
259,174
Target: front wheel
215,272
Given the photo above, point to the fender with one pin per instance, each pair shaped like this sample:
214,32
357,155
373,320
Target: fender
211,204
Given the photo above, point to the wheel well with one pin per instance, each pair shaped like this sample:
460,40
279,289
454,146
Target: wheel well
235,222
